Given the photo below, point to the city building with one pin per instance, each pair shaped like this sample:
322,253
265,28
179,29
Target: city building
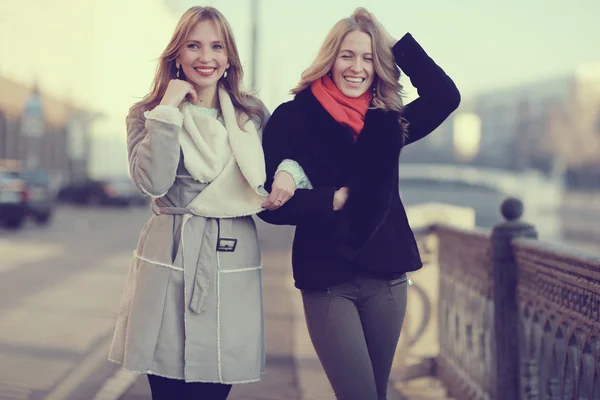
551,125
41,131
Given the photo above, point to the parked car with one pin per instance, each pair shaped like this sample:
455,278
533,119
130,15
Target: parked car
103,192
25,194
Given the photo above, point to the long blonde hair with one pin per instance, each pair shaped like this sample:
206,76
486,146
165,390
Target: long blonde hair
166,70
388,90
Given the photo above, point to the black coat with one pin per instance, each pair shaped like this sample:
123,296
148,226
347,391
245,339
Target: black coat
371,234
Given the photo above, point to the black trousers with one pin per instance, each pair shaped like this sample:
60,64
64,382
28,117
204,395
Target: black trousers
176,389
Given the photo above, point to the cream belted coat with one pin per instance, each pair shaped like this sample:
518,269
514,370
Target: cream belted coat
192,305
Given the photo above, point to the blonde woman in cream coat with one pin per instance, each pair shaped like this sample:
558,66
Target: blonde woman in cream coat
191,315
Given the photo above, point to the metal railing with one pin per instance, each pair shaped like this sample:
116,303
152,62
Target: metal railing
518,318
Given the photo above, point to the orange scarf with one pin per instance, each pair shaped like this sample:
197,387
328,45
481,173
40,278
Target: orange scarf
345,110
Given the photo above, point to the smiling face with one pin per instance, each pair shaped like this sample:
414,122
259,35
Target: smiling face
353,71
203,56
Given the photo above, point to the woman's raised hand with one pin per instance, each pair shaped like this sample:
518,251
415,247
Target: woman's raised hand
176,92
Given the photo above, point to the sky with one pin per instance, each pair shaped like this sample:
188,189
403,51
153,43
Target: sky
481,45
101,54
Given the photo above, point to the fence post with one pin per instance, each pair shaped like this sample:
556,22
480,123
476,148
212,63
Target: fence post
506,312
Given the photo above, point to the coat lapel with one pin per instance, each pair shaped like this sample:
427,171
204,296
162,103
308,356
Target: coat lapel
239,188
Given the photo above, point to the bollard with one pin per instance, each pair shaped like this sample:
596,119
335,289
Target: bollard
506,311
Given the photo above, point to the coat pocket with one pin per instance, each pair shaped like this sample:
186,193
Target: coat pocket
398,281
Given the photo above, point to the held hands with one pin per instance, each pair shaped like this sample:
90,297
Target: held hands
176,92
339,198
282,190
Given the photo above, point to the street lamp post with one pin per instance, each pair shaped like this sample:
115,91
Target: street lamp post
254,4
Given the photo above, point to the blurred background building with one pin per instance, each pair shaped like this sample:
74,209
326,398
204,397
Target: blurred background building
38,130
552,126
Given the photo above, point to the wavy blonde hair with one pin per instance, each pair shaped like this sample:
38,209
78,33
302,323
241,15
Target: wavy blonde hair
388,90
242,100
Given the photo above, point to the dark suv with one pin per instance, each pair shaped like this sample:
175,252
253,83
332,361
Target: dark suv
25,193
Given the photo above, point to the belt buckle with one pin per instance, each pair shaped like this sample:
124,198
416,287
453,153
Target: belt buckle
226,245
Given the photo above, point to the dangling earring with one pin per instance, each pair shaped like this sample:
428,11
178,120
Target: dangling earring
225,74
177,66
329,74
374,91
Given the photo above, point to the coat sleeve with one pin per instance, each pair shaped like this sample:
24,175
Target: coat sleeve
438,95
307,206
153,149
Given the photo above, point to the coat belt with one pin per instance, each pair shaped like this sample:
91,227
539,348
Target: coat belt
204,275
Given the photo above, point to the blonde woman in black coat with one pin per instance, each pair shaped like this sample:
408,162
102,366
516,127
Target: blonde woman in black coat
339,139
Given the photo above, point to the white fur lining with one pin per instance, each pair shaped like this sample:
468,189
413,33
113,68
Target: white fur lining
230,271
147,193
186,218
219,318
183,379
235,215
136,255
167,114
238,189
205,144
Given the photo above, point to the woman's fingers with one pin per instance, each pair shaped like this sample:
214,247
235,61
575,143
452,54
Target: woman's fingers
282,200
276,199
283,189
193,95
268,204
